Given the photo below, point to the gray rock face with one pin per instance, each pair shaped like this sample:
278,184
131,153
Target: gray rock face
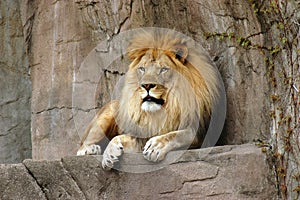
15,87
54,180
62,35
18,183
59,41
44,45
229,172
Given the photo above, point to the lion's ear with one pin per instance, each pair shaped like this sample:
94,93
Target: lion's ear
136,53
181,53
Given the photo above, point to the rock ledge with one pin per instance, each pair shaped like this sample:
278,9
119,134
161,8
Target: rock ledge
227,172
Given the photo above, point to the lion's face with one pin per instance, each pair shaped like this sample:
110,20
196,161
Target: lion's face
155,77
148,97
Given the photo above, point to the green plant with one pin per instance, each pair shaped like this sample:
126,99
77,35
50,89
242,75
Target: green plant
280,21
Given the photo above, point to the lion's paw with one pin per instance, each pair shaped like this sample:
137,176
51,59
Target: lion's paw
111,154
155,149
89,150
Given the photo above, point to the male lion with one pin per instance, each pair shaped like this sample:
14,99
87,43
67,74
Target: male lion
167,99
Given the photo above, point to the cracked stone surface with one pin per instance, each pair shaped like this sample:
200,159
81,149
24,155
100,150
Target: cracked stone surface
56,47
62,35
54,180
15,87
228,172
18,183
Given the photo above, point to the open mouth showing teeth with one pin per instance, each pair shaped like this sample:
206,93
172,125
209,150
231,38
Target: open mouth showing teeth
152,99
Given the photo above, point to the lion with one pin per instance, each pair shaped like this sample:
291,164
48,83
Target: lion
168,96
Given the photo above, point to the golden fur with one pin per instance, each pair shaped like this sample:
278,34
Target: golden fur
168,95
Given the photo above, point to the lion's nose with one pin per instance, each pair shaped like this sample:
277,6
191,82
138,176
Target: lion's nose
148,86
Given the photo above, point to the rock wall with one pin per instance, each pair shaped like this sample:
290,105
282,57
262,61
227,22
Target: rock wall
45,44
62,33
59,41
15,86
229,172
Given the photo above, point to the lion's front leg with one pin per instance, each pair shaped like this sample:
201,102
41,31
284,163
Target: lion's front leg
103,125
117,146
157,147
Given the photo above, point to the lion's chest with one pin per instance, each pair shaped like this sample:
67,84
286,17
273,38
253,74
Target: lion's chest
152,124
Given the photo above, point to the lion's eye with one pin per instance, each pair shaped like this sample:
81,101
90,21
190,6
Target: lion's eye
163,70
141,69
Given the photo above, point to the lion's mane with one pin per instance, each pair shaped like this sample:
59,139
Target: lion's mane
189,102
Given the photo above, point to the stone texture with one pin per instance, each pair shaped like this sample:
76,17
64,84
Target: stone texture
58,41
17,183
50,42
15,86
229,172
285,83
242,70
62,39
54,180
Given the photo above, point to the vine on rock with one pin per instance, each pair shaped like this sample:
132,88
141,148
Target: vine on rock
280,24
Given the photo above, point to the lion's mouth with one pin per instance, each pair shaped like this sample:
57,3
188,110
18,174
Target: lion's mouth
149,98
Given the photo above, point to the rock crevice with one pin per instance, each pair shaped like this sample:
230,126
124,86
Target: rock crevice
228,172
